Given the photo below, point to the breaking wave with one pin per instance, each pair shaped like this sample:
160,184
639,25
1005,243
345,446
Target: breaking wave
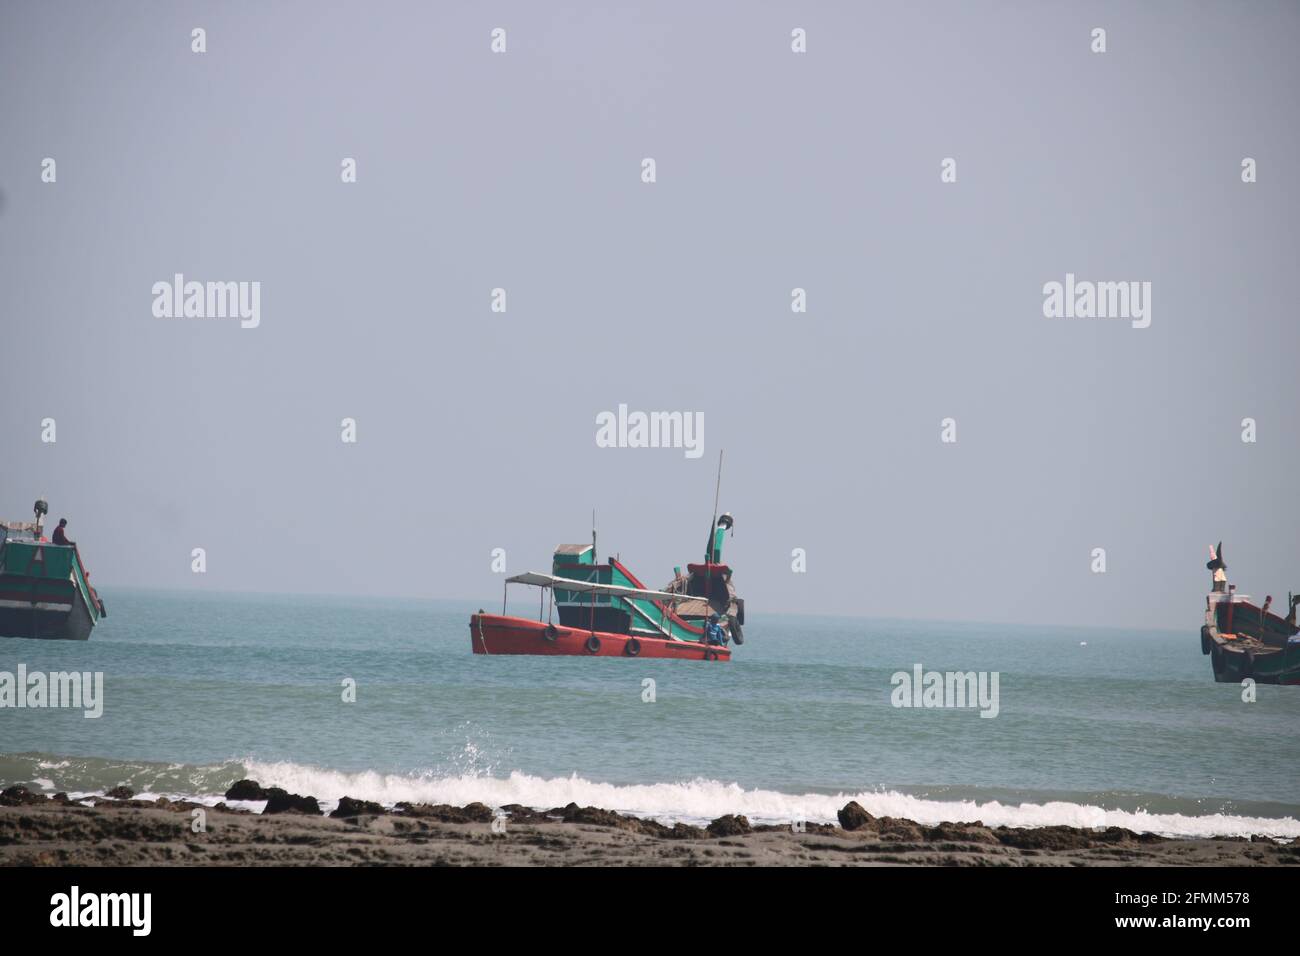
691,801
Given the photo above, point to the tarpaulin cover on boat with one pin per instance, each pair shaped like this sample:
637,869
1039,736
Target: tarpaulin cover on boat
586,587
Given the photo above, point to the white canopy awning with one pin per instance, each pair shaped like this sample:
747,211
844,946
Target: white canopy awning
589,587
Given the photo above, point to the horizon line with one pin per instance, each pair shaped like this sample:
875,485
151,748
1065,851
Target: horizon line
774,612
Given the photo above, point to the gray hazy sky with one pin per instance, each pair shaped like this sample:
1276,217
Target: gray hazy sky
775,170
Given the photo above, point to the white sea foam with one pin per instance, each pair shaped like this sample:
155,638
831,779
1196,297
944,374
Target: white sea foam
700,800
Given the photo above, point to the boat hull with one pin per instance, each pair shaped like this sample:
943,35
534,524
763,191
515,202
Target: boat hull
498,634
45,620
44,591
1259,647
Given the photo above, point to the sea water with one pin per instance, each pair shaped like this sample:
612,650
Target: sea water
1093,727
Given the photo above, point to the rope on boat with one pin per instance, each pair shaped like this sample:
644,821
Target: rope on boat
482,639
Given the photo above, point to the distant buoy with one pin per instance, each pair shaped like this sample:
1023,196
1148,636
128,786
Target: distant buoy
1083,643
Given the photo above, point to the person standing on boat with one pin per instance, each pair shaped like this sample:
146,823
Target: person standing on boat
60,536
1218,568
713,631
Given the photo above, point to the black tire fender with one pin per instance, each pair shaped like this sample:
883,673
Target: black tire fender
632,648
551,633
593,644
737,634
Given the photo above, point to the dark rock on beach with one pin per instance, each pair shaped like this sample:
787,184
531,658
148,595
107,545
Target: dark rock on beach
349,807
595,816
730,825
185,806
246,790
229,809
20,796
120,793
445,813
959,833
517,813
680,831
281,801
897,830
1115,835
1121,835
854,817
1044,838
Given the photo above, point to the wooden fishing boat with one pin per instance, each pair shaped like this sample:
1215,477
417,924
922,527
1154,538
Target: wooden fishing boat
605,611
1244,640
45,590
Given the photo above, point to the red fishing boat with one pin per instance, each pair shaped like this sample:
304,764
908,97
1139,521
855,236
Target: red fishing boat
605,611
674,636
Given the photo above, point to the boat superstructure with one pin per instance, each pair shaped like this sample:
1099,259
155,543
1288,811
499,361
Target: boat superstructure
45,591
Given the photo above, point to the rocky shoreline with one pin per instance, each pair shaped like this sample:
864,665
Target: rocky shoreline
119,830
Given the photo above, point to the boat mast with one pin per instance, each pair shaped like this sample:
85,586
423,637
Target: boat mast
717,493
708,556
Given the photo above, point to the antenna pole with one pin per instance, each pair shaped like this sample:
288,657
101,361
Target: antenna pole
708,555
717,492
713,527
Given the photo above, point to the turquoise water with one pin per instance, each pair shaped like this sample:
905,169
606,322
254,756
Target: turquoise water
200,689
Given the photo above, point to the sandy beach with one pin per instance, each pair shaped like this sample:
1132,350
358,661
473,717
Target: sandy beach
36,830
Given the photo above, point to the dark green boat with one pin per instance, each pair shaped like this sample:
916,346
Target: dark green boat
1246,641
44,591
